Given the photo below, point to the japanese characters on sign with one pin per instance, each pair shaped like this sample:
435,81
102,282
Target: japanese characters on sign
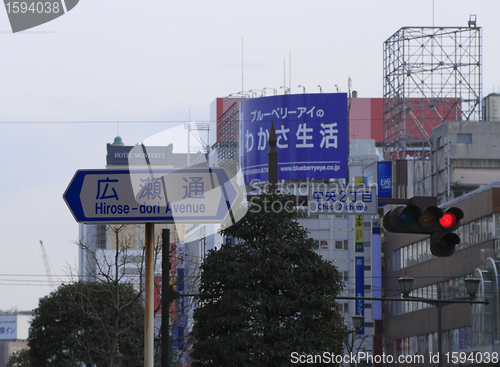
311,131
359,233
7,332
334,199
9,327
185,195
359,269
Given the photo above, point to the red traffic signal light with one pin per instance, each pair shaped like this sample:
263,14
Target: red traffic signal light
430,220
443,242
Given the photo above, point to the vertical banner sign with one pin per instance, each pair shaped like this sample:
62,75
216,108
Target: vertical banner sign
312,136
376,269
360,289
359,233
384,179
359,225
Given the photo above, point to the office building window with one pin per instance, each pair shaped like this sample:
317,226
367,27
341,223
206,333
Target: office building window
464,138
101,236
346,276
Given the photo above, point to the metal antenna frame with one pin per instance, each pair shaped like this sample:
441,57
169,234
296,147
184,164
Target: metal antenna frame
431,75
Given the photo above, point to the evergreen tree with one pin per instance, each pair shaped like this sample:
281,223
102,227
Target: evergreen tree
82,323
268,297
19,359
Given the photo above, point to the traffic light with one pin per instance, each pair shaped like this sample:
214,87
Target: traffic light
430,220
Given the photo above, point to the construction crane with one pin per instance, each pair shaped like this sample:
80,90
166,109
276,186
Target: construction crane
47,267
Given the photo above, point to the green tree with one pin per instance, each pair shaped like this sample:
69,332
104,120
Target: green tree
84,321
20,359
269,295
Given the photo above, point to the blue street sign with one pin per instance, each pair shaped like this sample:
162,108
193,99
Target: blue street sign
312,137
188,195
360,289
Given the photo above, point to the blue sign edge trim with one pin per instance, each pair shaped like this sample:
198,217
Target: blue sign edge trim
75,186
311,199
291,175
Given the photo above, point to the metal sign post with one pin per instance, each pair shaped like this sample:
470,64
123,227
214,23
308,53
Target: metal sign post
149,301
165,303
195,195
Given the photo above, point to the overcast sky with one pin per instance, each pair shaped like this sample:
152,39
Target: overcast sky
138,67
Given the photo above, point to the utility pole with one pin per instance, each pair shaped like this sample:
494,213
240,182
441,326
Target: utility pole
272,160
149,301
165,306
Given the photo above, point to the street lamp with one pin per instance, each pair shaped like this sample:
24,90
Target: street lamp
117,358
406,285
472,285
303,88
357,322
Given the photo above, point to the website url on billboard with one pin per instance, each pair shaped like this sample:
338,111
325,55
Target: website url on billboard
305,167
295,168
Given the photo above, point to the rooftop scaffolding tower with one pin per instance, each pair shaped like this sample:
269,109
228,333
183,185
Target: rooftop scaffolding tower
431,75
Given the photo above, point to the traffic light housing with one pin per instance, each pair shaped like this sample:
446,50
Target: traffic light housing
430,220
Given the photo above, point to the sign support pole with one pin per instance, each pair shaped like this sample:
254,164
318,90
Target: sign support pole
272,160
149,295
165,300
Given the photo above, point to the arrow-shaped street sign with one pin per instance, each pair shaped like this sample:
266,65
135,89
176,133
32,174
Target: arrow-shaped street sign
188,195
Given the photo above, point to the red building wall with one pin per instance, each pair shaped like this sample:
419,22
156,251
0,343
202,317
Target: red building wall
366,119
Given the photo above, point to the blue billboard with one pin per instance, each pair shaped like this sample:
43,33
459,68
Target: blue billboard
384,179
312,134
359,273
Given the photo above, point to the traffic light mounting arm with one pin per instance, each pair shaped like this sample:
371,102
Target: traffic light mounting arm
416,200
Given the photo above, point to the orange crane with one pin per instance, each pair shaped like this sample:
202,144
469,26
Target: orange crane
47,267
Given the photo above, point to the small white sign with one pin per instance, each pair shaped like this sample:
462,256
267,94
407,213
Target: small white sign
189,195
334,199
